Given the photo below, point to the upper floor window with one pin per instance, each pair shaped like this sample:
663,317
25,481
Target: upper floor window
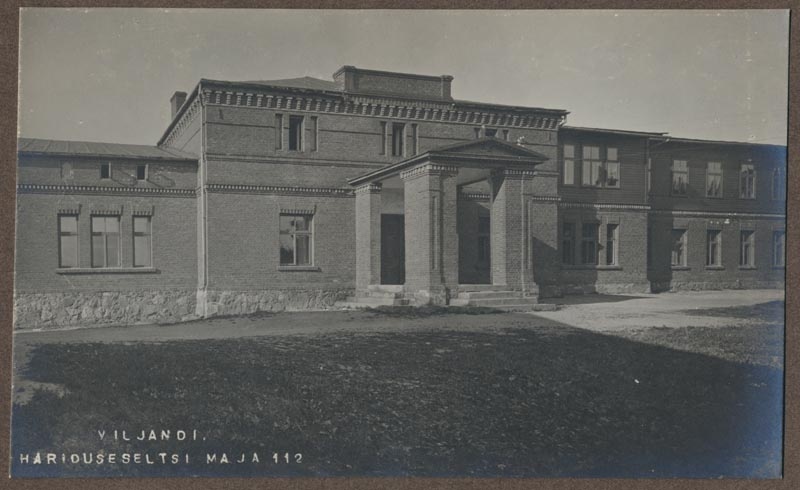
296,133
680,177
105,170
597,172
105,241
398,139
67,241
296,239
313,133
505,135
778,184
491,132
747,181
714,179
414,139
278,131
141,172
568,171
678,248
142,256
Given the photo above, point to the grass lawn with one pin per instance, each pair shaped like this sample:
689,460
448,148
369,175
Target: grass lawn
535,401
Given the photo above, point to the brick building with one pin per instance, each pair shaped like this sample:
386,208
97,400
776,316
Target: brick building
380,187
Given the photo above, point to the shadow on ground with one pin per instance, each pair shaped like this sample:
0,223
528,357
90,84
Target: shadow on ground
582,299
540,401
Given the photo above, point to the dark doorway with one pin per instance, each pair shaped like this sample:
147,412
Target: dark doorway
393,249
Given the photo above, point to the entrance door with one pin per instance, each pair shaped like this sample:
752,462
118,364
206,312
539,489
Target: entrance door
393,249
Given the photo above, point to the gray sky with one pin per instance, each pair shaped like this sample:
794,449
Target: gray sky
108,74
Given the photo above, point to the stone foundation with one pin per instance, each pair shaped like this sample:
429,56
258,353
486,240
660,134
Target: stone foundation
110,308
214,303
711,285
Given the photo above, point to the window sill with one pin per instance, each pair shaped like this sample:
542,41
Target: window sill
747,267
107,270
715,268
298,268
779,267
680,268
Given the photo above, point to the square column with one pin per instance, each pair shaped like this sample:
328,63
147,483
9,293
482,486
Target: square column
511,248
368,235
431,236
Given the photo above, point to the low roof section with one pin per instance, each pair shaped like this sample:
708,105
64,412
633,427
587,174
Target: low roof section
88,149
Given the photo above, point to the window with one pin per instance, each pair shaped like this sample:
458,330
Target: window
678,248
414,139
591,166
295,133
713,248
105,170
779,248
568,243
491,132
778,184
484,240
398,135
747,248
714,179
142,256
313,131
296,239
680,177
105,241
278,131
67,241
505,135
383,137
589,243
611,244
611,168
477,133
568,173
747,182
141,172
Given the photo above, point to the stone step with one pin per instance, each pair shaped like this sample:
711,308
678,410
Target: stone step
465,288
497,302
388,288
379,294
488,294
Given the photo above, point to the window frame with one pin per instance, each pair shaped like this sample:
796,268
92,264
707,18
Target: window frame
398,142
751,178
684,241
593,240
107,166
62,234
279,131
674,172
714,258
297,131
568,162
778,184
720,175
612,244
309,233
747,249
105,234
779,239
149,235
146,172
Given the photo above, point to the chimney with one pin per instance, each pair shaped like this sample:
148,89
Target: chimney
177,100
446,81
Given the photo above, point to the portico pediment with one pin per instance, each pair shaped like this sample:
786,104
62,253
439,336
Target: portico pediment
489,153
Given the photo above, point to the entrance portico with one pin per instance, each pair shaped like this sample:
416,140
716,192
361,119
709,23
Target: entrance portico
428,189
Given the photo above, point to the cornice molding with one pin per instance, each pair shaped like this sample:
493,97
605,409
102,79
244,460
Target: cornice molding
186,119
428,169
587,205
383,107
101,190
369,188
716,214
273,189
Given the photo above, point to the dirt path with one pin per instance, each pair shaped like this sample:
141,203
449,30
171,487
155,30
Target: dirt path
614,313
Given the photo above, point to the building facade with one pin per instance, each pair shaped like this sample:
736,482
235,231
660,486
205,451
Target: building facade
380,187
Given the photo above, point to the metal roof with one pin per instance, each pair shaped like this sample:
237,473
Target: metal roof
95,149
622,132
309,83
